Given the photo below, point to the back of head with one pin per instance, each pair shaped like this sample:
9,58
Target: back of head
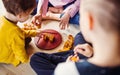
17,6
105,12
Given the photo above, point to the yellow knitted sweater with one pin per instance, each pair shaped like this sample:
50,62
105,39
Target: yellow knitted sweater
12,42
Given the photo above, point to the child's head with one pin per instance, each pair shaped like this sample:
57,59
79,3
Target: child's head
20,8
99,17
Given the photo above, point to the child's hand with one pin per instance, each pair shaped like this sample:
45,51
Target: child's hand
36,20
64,22
84,49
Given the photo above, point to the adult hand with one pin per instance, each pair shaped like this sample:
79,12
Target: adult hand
36,20
64,21
84,49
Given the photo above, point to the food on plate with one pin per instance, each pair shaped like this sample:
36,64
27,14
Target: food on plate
48,39
48,36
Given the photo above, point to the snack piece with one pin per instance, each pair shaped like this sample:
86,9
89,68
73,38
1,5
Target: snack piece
44,37
48,36
51,37
29,27
68,44
38,26
74,59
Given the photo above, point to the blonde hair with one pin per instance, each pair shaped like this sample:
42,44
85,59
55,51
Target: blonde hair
106,12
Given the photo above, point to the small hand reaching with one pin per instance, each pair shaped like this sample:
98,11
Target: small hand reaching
36,20
64,21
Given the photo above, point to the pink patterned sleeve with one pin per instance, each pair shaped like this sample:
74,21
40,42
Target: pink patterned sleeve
73,8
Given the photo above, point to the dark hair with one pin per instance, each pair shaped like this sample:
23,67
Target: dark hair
17,6
107,12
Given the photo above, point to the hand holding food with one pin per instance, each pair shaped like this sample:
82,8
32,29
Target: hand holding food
73,58
29,27
84,49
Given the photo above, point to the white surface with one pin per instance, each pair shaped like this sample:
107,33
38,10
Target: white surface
66,68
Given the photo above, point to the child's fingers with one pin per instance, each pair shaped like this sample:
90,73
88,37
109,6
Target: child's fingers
69,57
84,49
75,52
67,25
36,19
77,48
79,51
33,20
77,58
62,25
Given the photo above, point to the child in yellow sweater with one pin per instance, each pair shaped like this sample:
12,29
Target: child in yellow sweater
12,38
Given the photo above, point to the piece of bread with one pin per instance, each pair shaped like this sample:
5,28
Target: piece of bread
68,44
74,59
48,36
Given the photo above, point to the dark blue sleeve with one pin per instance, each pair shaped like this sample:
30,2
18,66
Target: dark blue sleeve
86,68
